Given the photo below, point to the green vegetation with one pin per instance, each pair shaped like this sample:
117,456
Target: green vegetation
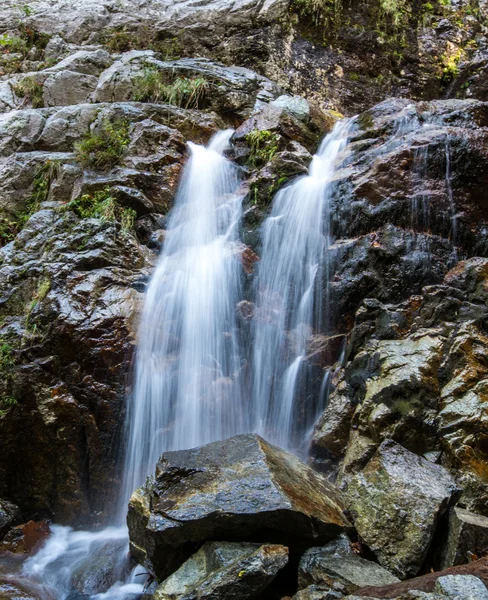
7,363
366,121
449,67
7,360
183,91
43,287
263,146
103,147
31,90
10,226
102,205
15,48
120,39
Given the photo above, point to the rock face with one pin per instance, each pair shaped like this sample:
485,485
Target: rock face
396,502
467,537
10,515
239,489
224,571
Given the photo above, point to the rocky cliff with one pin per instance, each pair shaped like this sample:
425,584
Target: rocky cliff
97,103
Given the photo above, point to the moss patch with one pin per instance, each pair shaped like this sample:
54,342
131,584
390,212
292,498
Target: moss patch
104,147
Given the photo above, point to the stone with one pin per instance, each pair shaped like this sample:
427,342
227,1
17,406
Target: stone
467,537
396,502
224,571
296,105
317,592
241,488
10,515
461,587
26,538
65,88
341,569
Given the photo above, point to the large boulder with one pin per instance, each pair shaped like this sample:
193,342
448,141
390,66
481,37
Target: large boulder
396,502
224,571
238,489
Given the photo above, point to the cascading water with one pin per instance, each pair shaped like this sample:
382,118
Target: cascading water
290,293
187,387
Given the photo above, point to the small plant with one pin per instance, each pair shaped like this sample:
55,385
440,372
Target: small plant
102,205
120,39
10,226
183,91
43,288
104,147
6,403
450,69
12,44
263,145
7,360
31,90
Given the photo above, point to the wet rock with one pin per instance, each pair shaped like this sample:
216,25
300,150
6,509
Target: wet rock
103,567
467,537
393,478
11,591
25,538
241,488
10,515
224,570
295,105
461,587
317,592
340,569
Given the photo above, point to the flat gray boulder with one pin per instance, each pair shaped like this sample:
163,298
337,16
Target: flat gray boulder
396,502
225,571
337,567
461,587
240,489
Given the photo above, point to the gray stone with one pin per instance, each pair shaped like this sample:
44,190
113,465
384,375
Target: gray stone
467,537
335,567
88,62
224,571
240,488
10,515
396,502
296,105
65,88
318,592
461,587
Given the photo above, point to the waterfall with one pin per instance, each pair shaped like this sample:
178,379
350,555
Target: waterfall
290,295
188,383
187,389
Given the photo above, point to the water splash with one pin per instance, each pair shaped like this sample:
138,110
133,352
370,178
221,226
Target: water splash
291,299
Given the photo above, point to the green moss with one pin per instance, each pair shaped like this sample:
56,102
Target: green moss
366,121
104,206
104,147
449,67
31,90
263,145
7,360
10,226
183,91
